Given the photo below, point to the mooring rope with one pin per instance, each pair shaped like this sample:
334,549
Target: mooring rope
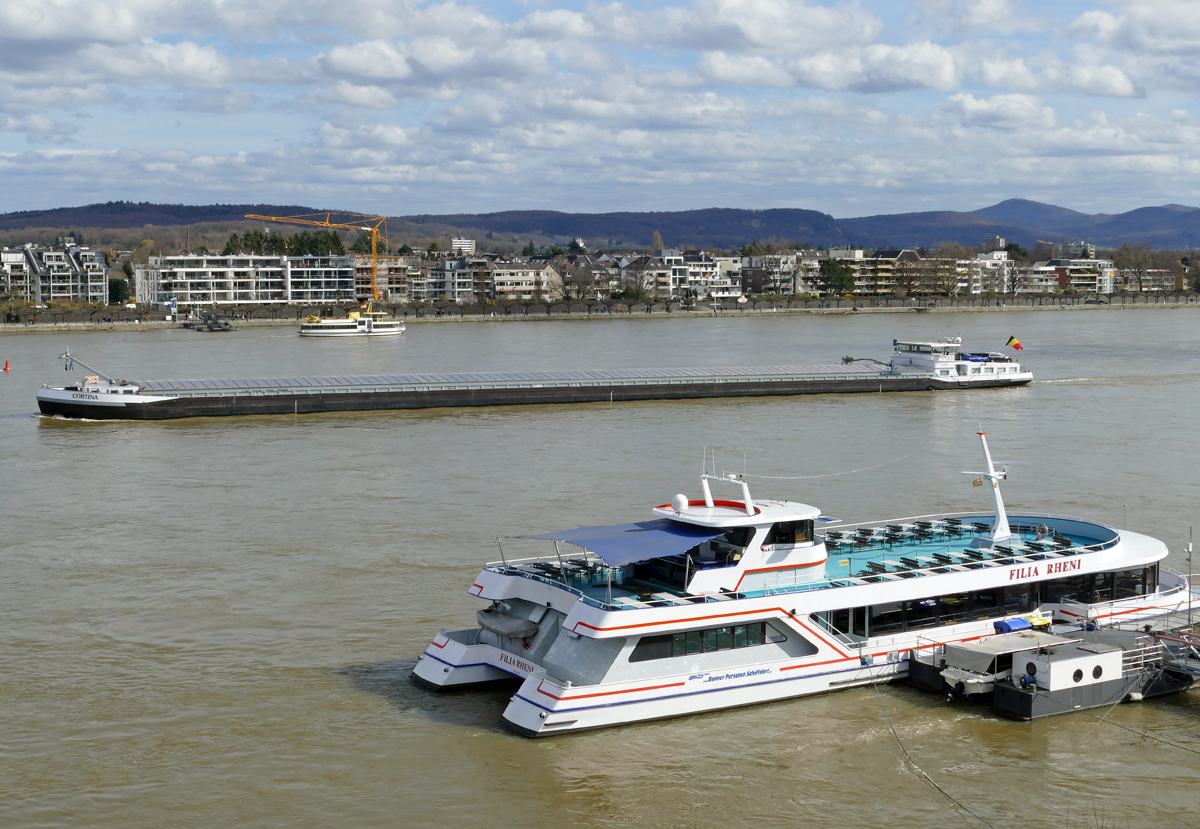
908,756
829,475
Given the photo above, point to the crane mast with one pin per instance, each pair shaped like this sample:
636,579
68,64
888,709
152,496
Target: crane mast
369,224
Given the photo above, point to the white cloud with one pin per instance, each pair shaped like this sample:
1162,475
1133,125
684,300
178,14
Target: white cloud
37,128
1013,112
237,100
980,17
881,68
376,59
743,70
663,101
344,93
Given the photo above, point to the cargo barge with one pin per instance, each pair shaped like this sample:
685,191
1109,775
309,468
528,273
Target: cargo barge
102,398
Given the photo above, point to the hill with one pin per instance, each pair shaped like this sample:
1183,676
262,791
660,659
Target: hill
1018,220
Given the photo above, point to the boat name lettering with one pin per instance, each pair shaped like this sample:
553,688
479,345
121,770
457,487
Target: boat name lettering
86,396
776,638
740,675
1052,569
519,664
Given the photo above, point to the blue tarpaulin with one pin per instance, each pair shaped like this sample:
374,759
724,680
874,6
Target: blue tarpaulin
1012,625
622,544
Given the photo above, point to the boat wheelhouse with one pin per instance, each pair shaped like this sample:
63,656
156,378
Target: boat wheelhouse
721,603
946,360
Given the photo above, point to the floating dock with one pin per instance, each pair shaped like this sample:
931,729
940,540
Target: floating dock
107,399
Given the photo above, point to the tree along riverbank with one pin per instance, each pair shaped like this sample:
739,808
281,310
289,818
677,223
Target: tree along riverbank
290,316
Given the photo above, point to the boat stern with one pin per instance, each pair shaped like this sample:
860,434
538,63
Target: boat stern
456,658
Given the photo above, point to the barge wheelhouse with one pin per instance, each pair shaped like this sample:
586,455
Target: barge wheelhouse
722,603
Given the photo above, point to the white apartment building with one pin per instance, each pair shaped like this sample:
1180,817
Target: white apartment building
15,275
524,281
718,277
1086,276
462,247
70,274
1037,279
201,279
991,271
319,279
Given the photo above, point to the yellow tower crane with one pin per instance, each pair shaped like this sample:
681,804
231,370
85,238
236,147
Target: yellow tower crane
369,224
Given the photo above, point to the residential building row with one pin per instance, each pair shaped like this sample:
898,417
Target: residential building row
463,276
39,275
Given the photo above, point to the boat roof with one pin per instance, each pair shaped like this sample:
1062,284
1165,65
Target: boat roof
725,513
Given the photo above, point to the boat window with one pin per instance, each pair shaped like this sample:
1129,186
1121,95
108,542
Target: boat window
692,642
739,536
1103,587
1070,589
943,371
790,532
1130,583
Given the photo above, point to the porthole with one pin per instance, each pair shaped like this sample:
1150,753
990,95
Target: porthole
1030,668
1096,672
1078,675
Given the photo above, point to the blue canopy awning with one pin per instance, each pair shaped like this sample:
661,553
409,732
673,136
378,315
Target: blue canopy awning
622,544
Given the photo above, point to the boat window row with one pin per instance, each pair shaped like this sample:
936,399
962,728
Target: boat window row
936,611
688,643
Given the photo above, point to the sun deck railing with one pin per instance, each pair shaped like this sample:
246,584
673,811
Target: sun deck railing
594,565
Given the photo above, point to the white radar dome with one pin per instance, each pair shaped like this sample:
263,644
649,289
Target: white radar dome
679,503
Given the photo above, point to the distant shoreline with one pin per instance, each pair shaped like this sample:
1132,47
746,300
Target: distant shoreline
159,325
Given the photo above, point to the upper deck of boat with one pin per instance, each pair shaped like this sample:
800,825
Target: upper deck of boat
859,554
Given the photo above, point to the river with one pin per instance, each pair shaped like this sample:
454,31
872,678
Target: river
212,622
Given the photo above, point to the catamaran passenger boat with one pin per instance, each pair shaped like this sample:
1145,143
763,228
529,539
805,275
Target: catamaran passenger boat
721,603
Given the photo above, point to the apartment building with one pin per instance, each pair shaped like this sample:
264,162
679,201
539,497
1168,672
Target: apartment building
1085,276
524,281
392,277
241,279
65,274
15,275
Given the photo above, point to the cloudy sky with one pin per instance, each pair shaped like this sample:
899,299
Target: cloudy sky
407,107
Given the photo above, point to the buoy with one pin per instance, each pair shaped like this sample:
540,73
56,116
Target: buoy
6,365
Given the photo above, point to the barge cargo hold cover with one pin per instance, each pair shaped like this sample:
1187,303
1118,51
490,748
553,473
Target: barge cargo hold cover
167,399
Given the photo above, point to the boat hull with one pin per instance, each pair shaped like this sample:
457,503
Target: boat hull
223,405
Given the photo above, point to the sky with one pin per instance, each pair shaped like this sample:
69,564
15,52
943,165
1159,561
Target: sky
441,106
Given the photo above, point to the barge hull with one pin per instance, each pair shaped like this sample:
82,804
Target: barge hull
314,403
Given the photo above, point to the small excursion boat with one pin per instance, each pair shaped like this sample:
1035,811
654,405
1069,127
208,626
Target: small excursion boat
366,322
722,603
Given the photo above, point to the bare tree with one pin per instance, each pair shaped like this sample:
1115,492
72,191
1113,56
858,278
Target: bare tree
578,280
657,241
943,267
1134,260
1168,261
908,272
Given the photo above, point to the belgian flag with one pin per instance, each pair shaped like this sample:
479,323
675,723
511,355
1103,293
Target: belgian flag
1014,343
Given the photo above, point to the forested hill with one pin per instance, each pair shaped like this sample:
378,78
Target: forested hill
724,228
127,214
1018,220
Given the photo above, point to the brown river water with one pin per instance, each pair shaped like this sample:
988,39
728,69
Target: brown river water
212,622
